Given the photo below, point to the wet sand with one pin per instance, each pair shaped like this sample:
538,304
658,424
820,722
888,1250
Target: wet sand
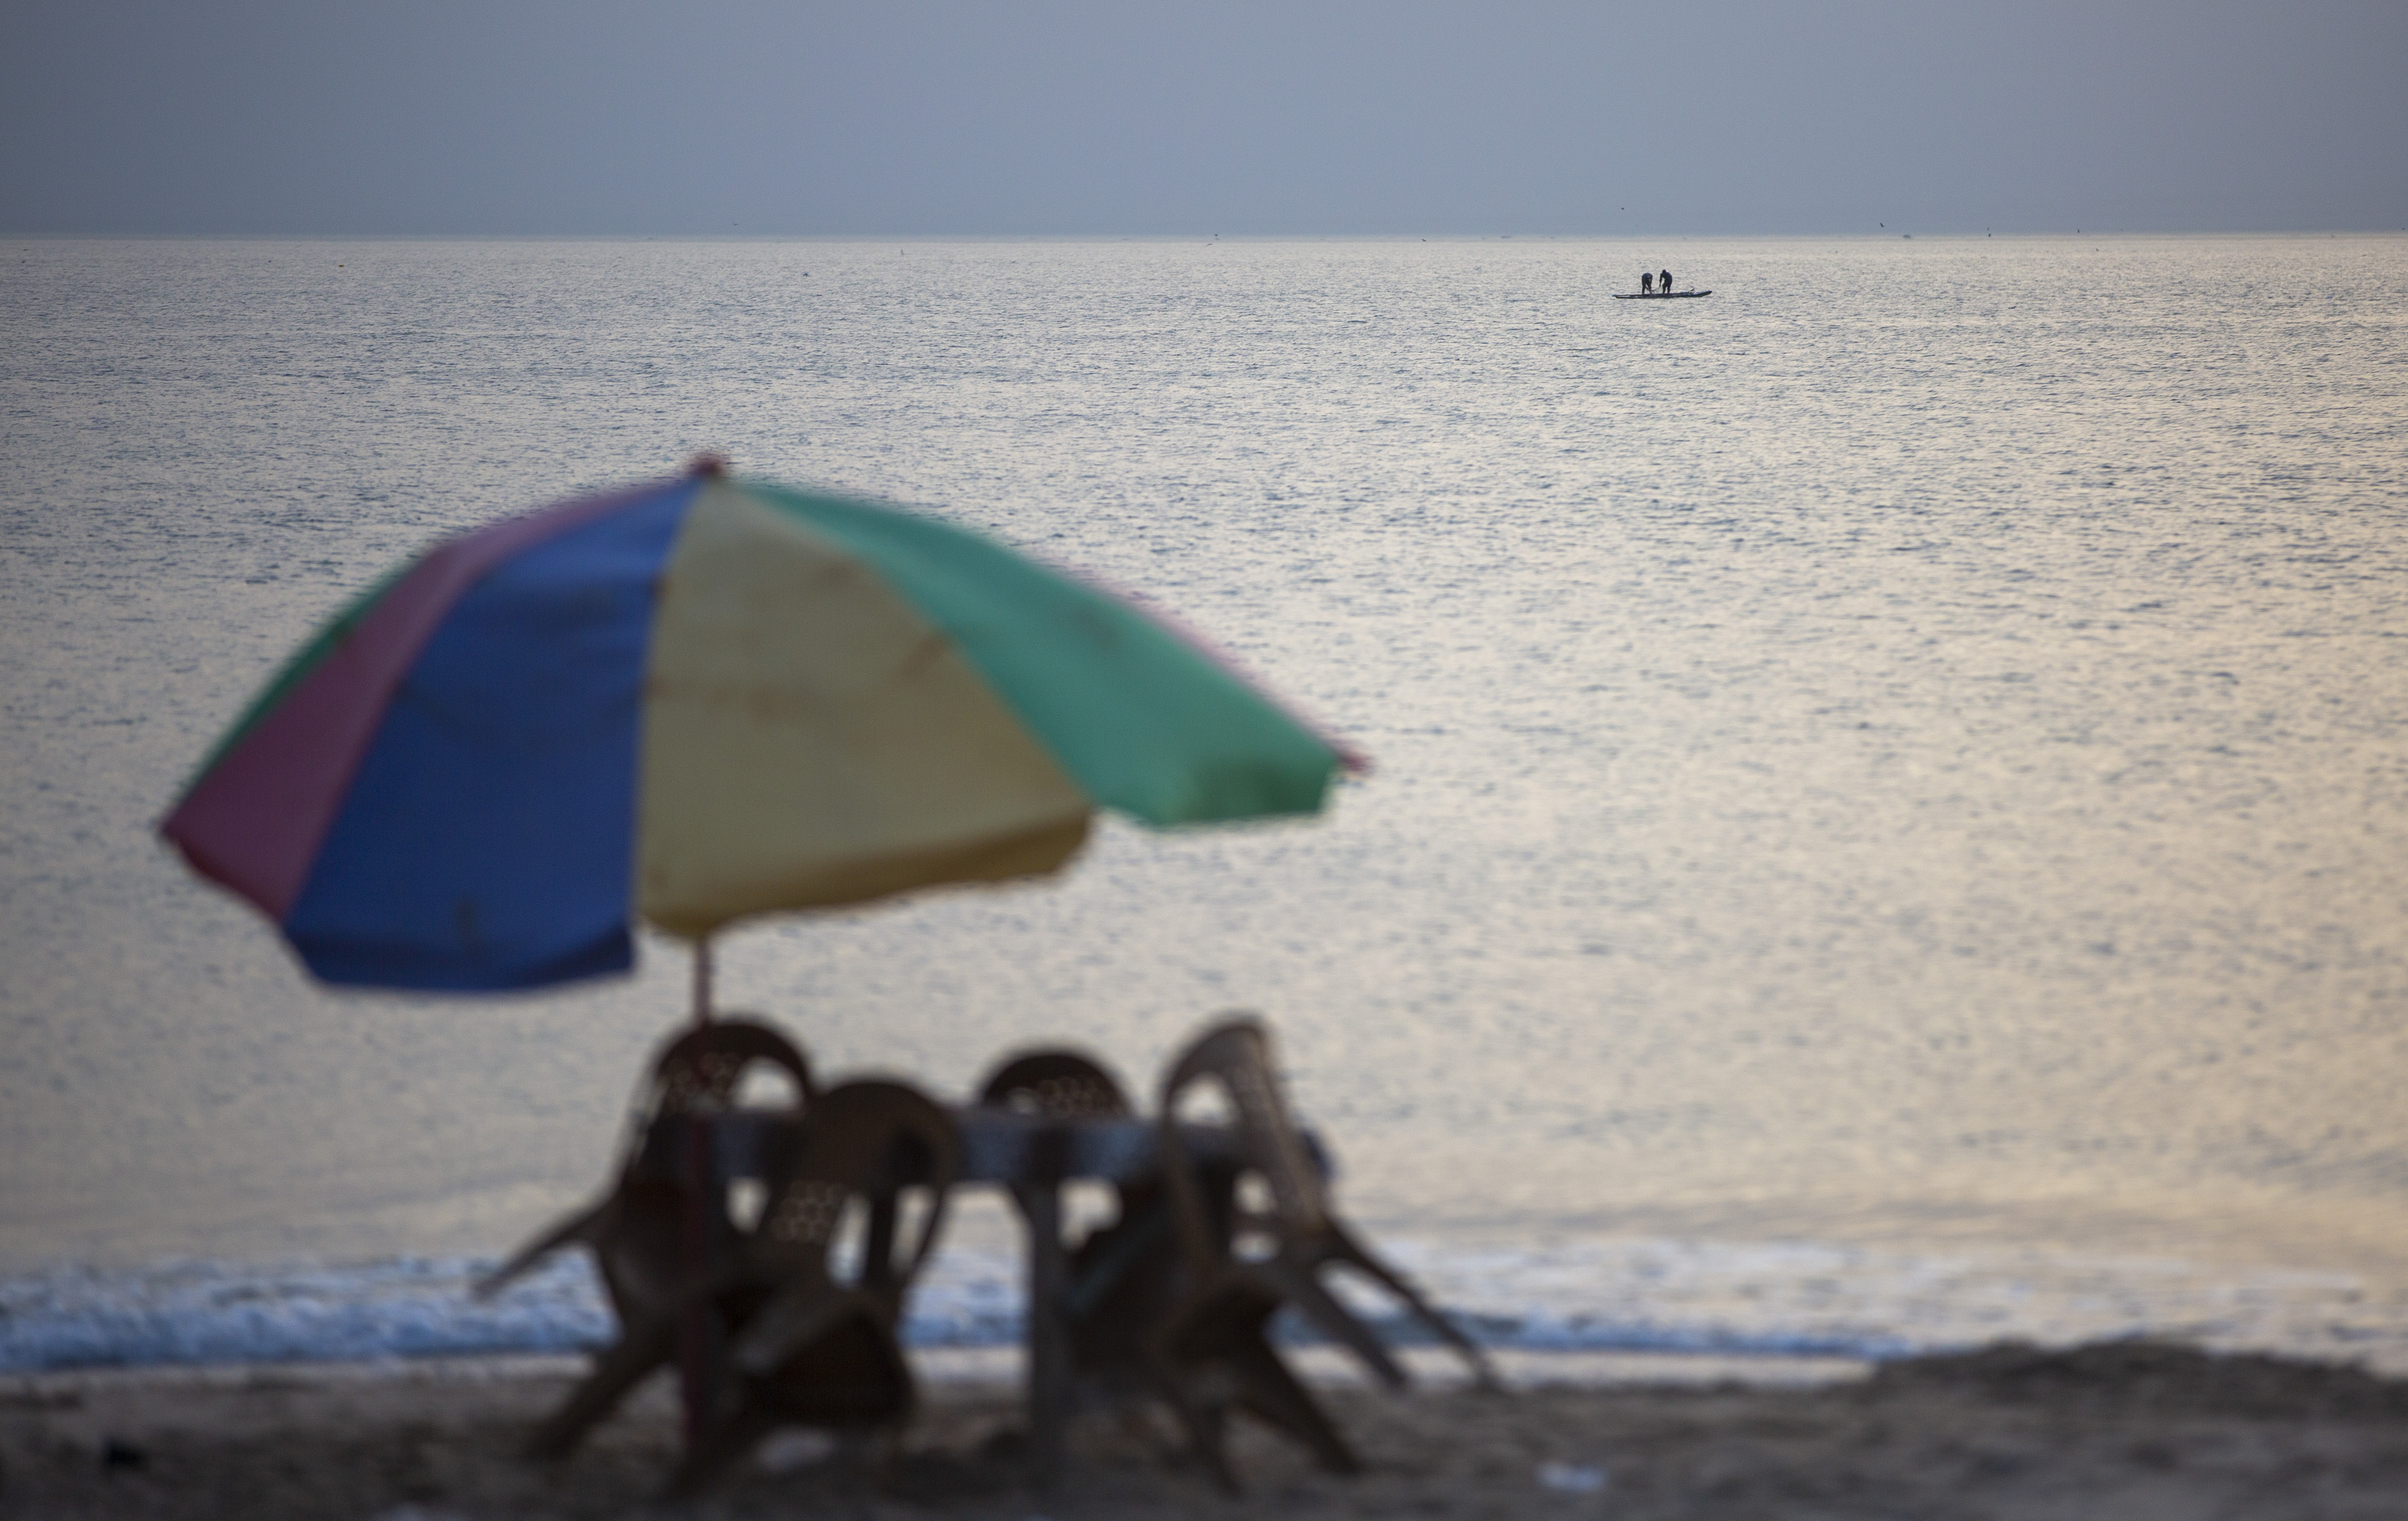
2132,1431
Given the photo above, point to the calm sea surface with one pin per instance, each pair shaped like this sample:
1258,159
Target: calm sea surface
1891,818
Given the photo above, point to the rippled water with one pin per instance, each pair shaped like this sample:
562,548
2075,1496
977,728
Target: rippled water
1891,822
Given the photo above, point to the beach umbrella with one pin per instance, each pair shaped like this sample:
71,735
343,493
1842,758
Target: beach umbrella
696,701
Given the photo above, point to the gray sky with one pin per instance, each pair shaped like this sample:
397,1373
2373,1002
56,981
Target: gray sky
1043,117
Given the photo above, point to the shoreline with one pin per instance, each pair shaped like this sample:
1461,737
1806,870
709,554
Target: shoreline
2129,1428
983,1368
1665,1301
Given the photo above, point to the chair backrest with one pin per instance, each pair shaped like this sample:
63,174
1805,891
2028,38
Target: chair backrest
702,1072
1057,1083
1235,1055
866,1140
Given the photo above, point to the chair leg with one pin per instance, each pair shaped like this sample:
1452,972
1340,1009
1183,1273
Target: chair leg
718,1449
616,1372
1302,1288
1354,1256
885,1456
1206,1429
1272,1393
1138,1424
586,1226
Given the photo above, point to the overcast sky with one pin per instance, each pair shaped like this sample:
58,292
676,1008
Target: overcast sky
1037,117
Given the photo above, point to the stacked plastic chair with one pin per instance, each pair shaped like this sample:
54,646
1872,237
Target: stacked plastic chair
1212,1353
805,1346
1121,1278
765,1329
813,1348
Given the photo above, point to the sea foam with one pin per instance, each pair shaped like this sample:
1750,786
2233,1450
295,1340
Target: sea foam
1591,1296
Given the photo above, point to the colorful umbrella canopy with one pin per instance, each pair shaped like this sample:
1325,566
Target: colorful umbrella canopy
698,700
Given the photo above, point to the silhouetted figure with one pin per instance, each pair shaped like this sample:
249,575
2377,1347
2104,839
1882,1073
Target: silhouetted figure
1646,283
1664,282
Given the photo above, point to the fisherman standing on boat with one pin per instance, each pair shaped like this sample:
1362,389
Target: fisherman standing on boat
1664,283
1646,283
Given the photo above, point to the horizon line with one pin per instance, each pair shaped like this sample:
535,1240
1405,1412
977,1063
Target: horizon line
735,236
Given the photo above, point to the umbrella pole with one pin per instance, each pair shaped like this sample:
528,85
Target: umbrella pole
702,981
697,1339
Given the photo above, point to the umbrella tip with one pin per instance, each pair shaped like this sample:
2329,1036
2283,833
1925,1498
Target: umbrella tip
707,464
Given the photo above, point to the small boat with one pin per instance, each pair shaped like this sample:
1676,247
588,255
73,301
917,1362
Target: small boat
1660,296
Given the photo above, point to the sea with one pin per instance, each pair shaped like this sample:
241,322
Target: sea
1889,827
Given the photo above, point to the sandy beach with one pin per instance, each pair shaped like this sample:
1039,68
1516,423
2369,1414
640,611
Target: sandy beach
2128,1431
